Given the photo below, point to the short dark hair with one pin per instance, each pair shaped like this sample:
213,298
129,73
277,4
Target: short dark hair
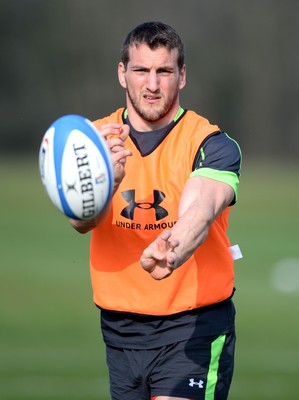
154,35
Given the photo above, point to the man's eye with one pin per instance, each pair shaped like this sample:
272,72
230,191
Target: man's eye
140,70
164,72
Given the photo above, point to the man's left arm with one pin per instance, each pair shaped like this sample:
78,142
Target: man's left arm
202,200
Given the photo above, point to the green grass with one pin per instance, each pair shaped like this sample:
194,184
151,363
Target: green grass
265,223
50,342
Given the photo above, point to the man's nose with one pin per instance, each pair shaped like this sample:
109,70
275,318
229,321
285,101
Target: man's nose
153,81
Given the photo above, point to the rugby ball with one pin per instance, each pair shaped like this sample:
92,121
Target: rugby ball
76,167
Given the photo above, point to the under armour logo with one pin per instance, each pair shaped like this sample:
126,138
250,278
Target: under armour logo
193,383
129,196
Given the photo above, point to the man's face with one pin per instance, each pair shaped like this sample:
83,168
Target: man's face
152,81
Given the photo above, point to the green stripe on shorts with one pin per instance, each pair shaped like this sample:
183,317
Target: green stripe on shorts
216,350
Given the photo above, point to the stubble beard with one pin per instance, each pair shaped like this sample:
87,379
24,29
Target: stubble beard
152,113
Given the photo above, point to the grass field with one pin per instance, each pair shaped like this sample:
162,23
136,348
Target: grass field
50,342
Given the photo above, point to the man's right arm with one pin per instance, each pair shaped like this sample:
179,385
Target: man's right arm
119,155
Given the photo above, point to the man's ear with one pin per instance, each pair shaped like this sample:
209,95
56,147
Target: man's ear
121,75
182,82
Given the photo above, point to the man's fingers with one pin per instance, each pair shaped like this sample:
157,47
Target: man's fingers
120,156
160,273
110,129
124,132
113,143
165,235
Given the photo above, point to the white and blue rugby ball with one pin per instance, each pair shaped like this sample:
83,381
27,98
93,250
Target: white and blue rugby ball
76,167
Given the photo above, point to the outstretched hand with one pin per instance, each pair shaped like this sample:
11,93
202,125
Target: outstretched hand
159,258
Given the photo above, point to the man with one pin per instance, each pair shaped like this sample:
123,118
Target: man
161,268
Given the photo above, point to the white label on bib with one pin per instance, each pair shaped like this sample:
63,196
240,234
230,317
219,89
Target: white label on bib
235,252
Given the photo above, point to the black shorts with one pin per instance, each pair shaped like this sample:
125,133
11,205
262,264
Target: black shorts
198,369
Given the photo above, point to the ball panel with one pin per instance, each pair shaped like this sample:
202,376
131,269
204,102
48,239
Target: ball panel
61,141
101,144
85,184
47,167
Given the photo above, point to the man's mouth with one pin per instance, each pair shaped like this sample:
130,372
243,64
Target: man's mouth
151,98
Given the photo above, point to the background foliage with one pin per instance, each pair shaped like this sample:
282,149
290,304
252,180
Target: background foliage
60,56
